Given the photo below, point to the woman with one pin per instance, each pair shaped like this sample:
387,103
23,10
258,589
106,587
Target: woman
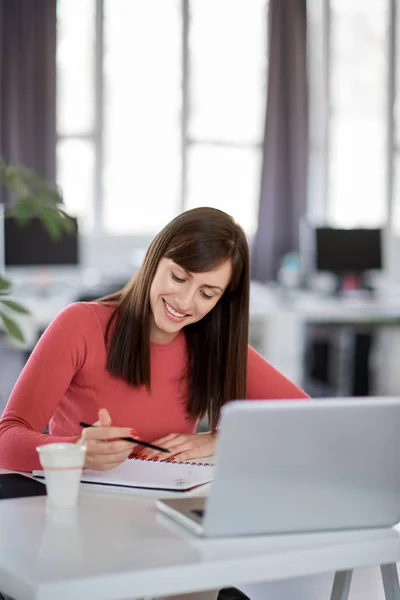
149,361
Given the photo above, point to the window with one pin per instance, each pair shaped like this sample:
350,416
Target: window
350,51
396,124
142,108
358,117
161,107
76,106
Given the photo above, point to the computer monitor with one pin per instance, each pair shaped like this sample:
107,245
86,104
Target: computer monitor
348,251
31,245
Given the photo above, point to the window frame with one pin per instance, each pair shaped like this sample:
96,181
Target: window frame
96,136
318,193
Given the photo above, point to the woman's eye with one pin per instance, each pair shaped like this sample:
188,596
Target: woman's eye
177,279
206,296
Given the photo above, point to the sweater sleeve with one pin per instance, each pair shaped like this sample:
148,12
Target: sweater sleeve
264,382
57,356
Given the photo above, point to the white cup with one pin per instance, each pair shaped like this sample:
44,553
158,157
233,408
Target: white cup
62,465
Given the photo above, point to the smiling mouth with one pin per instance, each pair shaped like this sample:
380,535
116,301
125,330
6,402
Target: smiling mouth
174,312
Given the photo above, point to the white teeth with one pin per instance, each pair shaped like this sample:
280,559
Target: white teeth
172,311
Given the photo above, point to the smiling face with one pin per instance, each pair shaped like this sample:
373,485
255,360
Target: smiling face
179,298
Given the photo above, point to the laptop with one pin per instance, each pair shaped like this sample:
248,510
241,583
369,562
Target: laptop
300,466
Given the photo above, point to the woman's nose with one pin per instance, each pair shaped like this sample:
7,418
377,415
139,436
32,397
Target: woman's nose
184,300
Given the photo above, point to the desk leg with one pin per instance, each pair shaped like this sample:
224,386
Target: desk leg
345,367
341,585
390,580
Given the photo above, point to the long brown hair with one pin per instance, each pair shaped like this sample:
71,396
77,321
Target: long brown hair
198,240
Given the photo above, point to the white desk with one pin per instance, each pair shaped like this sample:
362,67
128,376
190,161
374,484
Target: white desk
281,329
277,323
116,546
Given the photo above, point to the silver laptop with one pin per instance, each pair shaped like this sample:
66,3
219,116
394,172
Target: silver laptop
300,466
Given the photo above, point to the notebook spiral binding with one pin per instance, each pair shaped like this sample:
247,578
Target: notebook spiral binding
175,462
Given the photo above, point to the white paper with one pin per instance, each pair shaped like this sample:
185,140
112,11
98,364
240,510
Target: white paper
150,474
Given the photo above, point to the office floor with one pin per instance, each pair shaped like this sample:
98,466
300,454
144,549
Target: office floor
366,585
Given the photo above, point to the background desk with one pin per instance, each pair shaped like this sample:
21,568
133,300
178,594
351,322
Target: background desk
116,546
280,325
282,335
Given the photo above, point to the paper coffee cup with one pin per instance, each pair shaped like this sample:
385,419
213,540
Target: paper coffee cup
62,464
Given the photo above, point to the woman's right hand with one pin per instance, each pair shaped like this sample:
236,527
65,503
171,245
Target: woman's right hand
104,448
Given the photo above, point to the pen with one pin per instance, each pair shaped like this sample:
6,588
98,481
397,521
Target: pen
129,439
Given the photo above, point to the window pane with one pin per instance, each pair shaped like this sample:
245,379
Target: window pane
75,176
75,65
397,90
358,84
396,189
142,114
228,58
228,179
396,195
318,105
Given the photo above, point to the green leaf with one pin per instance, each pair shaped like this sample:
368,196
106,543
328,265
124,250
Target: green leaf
54,219
66,222
14,306
12,328
49,220
4,284
33,196
22,212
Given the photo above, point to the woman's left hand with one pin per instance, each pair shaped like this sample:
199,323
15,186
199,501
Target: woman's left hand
182,446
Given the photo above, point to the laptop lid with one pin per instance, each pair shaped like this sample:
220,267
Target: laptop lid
305,465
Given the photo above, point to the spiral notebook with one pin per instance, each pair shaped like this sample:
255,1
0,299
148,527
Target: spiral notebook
150,474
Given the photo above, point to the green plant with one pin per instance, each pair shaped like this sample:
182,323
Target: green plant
29,195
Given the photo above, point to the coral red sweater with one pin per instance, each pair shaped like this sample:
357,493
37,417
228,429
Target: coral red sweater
66,381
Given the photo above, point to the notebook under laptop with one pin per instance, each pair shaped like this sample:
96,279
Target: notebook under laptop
300,466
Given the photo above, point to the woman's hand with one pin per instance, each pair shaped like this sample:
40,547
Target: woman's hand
104,448
182,446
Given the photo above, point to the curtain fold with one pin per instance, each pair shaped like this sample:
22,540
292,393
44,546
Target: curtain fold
283,197
28,84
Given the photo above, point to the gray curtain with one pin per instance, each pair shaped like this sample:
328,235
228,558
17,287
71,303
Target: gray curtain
283,195
27,84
